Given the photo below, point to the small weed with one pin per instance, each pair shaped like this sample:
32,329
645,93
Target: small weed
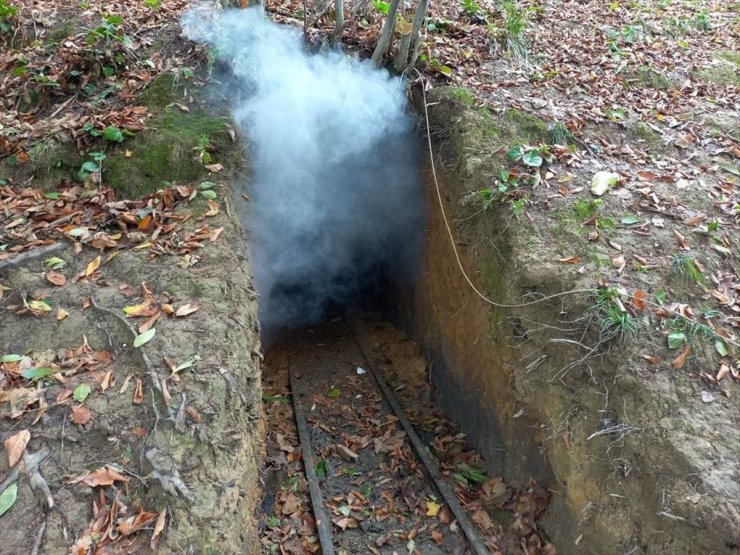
532,156
586,208
382,7
516,206
7,13
701,21
109,30
203,150
92,166
560,134
473,11
683,267
614,320
153,5
511,34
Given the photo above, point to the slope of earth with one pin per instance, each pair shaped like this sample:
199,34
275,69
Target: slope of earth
129,343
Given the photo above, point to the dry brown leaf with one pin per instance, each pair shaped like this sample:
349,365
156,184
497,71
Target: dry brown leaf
570,260
437,537
651,359
158,527
619,263
723,371
56,278
168,309
15,445
186,309
214,168
214,209
61,313
139,392
135,523
215,234
680,360
104,476
639,300
681,240
80,415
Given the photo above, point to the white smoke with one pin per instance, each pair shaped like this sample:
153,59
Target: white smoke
335,189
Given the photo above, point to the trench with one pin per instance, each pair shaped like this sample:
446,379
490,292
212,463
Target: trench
419,336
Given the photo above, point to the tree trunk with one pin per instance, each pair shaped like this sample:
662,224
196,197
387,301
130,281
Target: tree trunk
339,22
416,39
408,50
386,34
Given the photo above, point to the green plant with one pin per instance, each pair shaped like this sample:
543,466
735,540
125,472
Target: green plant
109,30
614,320
516,206
203,149
560,134
532,156
511,34
92,166
472,9
382,7
701,21
684,267
7,13
152,4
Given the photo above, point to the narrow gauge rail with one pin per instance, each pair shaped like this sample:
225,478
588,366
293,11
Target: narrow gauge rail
329,542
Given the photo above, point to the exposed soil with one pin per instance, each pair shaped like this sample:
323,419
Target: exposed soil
183,444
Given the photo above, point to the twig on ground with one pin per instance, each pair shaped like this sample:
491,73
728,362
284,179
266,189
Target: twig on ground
147,363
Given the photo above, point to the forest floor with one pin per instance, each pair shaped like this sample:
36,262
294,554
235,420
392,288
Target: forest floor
647,91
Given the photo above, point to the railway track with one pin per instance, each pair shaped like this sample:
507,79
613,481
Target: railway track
350,473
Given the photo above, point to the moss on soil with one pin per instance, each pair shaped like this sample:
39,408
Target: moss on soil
648,77
641,131
724,73
167,151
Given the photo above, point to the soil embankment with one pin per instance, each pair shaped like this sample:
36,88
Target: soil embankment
636,445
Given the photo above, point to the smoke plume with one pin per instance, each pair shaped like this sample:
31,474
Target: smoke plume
335,187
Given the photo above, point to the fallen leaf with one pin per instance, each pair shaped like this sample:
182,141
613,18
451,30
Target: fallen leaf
651,359
144,338
135,523
15,445
433,508
602,181
56,278
639,300
139,392
214,209
158,527
681,240
61,313
92,266
214,168
104,476
186,309
680,360
723,371
215,234
80,415
7,498
570,260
